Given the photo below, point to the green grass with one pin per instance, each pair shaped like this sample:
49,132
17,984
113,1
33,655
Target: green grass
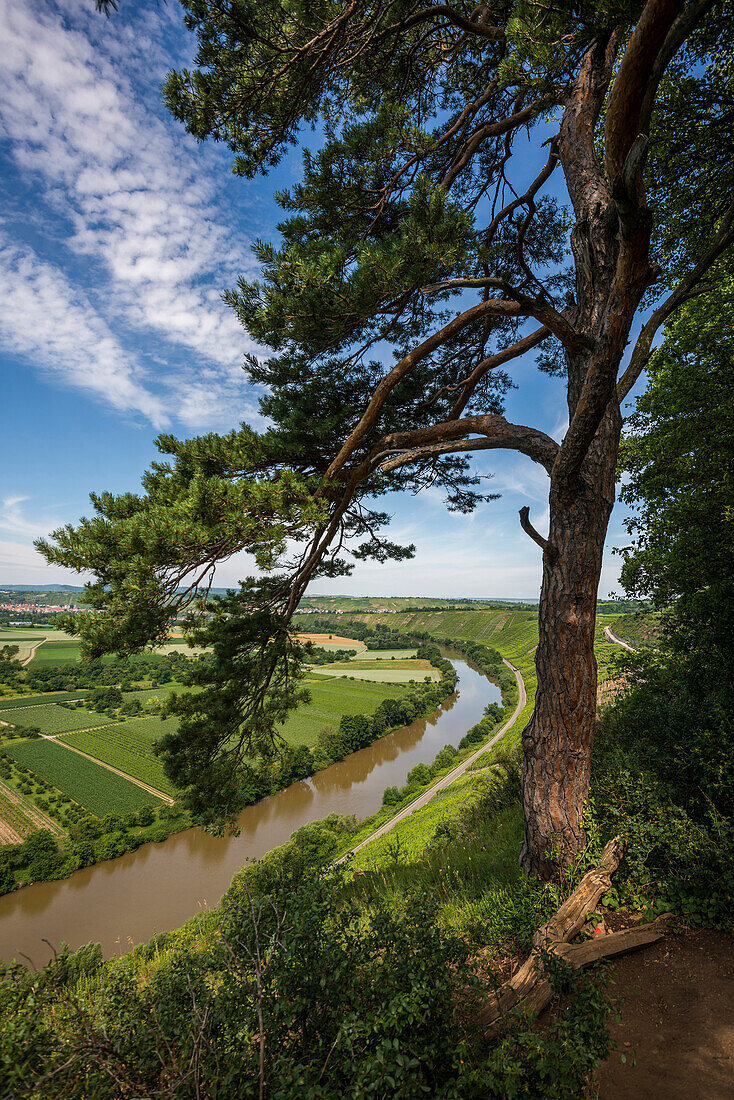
330,699
411,836
92,786
474,874
51,718
386,655
58,653
385,675
36,700
127,749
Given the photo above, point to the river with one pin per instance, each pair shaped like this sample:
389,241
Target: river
124,901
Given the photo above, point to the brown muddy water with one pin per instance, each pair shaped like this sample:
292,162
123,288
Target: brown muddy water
124,901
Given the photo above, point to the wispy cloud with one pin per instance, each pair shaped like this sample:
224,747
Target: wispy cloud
50,322
81,118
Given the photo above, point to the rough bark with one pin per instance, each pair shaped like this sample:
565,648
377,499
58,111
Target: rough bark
557,741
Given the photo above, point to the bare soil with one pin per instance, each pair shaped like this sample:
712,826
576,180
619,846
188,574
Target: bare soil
335,639
676,1029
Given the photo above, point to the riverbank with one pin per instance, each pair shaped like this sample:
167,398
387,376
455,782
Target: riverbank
160,886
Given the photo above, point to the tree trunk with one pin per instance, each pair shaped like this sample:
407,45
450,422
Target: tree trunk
557,741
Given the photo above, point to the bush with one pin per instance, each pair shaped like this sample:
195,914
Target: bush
662,776
357,1002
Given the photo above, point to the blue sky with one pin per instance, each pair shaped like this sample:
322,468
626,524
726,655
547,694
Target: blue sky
118,234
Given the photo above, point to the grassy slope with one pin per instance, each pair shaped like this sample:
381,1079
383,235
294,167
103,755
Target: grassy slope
515,634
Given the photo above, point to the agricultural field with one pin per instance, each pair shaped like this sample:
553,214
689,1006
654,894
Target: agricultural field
150,729
27,639
383,672
332,642
51,718
35,700
127,750
58,653
100,791
15,822
386,655
330,699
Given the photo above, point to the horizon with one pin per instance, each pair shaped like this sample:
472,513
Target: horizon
114,328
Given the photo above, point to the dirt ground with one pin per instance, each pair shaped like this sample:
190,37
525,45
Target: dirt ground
676,1002
333,639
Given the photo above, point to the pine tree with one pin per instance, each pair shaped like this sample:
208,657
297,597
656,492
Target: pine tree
417,227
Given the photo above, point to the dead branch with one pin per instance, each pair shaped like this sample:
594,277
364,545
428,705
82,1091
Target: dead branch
536,535
529,988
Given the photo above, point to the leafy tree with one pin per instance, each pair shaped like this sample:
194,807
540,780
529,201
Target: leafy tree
679,455
419,227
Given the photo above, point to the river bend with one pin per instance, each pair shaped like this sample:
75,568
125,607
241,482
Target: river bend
123,901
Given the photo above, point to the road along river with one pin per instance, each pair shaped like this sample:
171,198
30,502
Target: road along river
124,901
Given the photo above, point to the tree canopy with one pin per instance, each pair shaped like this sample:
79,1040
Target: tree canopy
679,457
421,234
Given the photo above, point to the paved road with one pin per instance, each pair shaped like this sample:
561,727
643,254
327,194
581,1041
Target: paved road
452,776
617,641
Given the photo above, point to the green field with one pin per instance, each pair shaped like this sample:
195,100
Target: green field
385,675
125,748
92,786
58,653
330,699
162,692
150,729
26,639
35,700
386,655
51,718
12,815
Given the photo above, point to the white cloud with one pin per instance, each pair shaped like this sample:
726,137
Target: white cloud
81,117
20,563
47,320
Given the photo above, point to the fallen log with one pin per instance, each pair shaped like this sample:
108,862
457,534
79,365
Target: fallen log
529,988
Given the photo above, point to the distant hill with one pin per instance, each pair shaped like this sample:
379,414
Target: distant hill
42,588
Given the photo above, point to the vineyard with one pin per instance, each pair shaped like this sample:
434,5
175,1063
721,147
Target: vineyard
37,700
14,823
92,786
50,718
124,748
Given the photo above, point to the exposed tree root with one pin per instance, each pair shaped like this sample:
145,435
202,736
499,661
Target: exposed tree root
529,988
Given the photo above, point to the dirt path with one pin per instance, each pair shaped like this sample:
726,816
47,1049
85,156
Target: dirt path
610,637
123,775
452,776
8,835
36,816
676,1027
32,654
